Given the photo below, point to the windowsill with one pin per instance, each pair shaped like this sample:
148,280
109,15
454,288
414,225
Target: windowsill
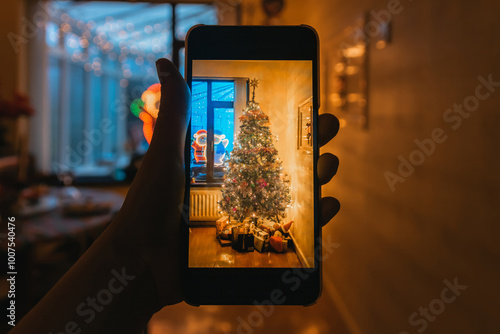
205,185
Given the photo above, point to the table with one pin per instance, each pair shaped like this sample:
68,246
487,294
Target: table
48,244
54,225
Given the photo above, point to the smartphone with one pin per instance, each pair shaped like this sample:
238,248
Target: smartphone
252,234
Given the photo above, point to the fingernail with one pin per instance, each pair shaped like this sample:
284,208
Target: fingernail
158,71
162,71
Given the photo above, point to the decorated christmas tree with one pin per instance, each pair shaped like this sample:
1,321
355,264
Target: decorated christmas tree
255,184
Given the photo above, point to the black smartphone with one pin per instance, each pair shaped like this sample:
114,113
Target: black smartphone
253,232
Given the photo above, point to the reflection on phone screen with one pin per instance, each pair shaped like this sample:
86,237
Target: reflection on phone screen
251,164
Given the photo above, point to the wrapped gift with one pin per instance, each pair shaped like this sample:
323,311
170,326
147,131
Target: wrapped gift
268,228
221,230
286,226
285,245
264,235
225,234
235,231
244,242
261,241
225,243
242,239
260,244
276,243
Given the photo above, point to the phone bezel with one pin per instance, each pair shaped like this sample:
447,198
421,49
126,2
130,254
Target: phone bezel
245,286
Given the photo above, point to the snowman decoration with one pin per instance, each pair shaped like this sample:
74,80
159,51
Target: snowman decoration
200,147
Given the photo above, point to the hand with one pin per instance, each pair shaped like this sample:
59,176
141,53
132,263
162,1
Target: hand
144,240
328,126
151,215
161,176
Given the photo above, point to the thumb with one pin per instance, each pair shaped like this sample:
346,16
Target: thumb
175,108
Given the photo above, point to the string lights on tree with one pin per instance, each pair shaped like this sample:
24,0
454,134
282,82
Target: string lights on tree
255,184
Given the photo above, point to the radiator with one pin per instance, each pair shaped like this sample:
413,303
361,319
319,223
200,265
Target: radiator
203,204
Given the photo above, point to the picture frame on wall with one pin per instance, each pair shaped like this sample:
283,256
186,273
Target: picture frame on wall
304,126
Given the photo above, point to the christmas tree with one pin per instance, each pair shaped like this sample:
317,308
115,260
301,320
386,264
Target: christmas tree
255,185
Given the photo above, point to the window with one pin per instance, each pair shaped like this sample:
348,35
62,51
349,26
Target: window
101,57
212,129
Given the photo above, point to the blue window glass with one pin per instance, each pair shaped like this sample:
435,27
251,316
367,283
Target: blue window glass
106,51
54,87
76,120
199,129
212,129
223,129
52,34
223,91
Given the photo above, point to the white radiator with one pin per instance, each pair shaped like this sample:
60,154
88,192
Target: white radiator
203,204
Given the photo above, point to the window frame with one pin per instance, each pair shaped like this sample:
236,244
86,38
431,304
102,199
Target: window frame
211,105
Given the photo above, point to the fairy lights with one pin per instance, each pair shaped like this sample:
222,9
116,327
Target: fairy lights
254,184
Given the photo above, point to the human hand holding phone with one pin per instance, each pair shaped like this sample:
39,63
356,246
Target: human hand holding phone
161,243
133,269
157,192
143,242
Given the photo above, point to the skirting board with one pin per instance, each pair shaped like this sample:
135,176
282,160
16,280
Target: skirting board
300,254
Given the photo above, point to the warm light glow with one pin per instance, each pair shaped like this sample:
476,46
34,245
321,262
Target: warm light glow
147,107
151,98
351,70
354,51
148,126
342,122
354,97
339,67
381,44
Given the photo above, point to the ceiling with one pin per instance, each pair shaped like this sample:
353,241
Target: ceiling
133,34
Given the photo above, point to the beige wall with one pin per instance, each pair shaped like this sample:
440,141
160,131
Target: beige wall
282,87
396,248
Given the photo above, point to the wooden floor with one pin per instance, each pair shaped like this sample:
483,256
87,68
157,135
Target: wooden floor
206,251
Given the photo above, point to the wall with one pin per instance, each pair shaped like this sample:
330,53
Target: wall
10,23
441,223
12,73
22,71
282,87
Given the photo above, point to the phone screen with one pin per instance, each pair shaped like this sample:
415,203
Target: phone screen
251,164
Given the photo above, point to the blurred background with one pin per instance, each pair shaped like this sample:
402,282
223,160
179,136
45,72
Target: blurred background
414,84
